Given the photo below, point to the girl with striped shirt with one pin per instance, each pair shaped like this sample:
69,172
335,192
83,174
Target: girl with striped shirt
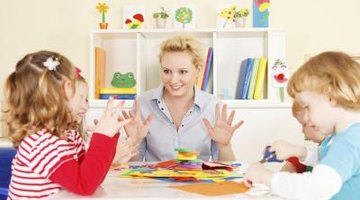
42,106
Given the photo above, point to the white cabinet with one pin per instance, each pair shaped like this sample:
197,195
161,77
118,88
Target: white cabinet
137,51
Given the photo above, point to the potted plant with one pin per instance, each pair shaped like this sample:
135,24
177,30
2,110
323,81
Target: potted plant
240,17
161,18
102,8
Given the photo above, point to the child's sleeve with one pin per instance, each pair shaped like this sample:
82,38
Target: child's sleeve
300,168
83,178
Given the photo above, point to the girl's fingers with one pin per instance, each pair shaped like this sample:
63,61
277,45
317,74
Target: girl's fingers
125,114
109,106
124,122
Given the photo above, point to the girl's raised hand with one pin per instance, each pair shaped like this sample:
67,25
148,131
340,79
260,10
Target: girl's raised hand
222,132
137,128
111,120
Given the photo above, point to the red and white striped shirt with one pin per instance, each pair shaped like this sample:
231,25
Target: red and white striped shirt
45,163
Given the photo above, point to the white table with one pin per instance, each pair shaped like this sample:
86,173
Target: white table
146,188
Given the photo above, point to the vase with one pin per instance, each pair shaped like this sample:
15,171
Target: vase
240,22
161,22
103,25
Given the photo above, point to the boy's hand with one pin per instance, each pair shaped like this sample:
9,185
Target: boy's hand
110,122
285,150
257,173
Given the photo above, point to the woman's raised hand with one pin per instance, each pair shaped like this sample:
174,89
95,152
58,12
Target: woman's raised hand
222,132
137,128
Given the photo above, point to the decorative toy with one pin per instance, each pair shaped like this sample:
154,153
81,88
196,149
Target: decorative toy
103,8
280,76
228,14
184,15
123,80
136,22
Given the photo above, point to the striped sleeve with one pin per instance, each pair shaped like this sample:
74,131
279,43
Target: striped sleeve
43,153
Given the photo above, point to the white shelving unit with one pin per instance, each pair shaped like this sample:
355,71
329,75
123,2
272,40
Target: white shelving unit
137,51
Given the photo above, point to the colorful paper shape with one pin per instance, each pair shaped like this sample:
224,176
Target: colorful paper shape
215,189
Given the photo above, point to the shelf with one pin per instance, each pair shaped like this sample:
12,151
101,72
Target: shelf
137,51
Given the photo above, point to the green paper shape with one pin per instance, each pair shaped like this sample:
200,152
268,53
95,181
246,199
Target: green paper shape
123,80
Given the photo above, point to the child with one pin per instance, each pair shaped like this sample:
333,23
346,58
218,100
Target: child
328,88
293,164
43,104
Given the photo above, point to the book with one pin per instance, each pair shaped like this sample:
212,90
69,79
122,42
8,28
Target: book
203,69
207,70
248,72
100,58
253,78
118,96
241,79
118,91
260,80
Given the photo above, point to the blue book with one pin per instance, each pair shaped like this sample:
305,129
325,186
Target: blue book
118,96
241,79
246,85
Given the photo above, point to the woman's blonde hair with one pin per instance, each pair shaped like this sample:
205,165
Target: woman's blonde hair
35,97
184,44
334,74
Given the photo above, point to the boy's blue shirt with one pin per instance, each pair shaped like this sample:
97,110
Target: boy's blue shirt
341,152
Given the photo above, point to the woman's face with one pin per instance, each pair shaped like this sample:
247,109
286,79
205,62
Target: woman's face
178,73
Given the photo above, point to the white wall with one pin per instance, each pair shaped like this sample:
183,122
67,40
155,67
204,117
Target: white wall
64,25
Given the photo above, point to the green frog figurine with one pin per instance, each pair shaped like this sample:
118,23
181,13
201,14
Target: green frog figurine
123,80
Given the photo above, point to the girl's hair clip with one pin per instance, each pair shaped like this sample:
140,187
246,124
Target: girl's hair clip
78,71
51,63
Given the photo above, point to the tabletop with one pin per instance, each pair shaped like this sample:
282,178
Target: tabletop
115,187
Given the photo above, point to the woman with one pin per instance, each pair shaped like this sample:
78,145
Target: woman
177,113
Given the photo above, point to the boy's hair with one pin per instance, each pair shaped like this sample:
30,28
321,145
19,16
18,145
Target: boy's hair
35,97
296,109
334,74
184,44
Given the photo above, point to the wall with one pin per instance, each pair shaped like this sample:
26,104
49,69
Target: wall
64,25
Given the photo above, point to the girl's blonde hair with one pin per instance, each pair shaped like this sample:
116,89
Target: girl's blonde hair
184,44
334,74
81,127
35,97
